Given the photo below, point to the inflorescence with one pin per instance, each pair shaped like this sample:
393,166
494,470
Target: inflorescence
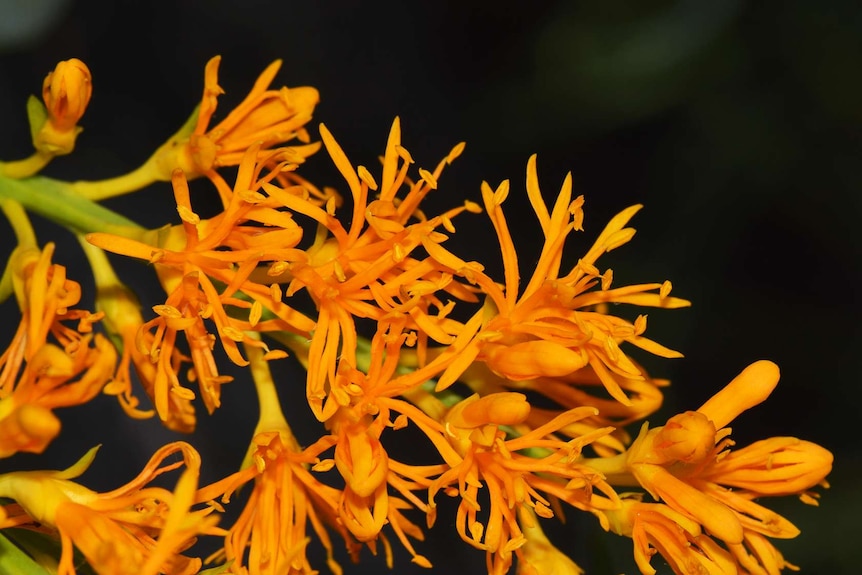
237,290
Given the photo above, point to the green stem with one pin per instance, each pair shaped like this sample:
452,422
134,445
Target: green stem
20,222
271,416
103,271
99,190
54,200
157,168
25,168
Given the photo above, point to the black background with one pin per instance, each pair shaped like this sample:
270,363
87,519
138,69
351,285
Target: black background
736,124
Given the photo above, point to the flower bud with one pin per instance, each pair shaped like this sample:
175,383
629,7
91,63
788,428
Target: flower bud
66,92
532,359
688,437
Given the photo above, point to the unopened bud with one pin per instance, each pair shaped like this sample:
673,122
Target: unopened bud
66,92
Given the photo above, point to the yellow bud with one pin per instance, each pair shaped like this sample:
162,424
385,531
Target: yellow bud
66,92
746,390
40,493
532,359
687,437
504,408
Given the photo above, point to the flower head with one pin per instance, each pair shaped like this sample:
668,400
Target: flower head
270,535
371,269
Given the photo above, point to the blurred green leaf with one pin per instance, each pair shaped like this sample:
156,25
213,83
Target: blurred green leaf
42,551
14,561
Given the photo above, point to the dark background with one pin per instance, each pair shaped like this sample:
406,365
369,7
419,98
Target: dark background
736,124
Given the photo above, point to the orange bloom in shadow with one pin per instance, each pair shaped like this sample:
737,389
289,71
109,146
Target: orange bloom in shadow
48,364
368,403
123,320
265,117
137,529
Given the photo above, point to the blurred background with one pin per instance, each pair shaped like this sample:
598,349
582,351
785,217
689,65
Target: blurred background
737,124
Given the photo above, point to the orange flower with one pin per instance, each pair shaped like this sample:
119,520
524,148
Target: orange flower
687,464
191,260
366,271
136,529
554,327
123,321
265,117
481,456
66,92
366,403
269,536
37,375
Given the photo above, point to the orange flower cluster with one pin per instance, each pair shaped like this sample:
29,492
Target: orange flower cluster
386,318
